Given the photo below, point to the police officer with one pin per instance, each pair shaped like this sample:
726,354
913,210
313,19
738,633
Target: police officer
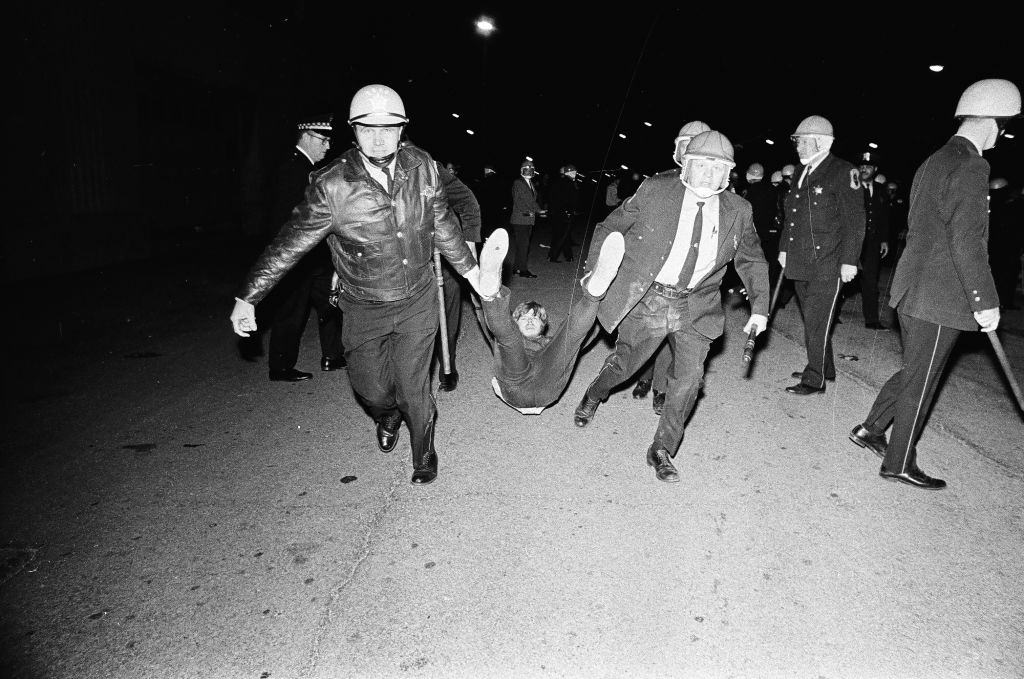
382,211
525,208
943,285
309,283
820,243
681,227
654,372
876,237
563,205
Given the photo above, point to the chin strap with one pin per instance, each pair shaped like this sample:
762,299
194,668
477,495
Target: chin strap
701,192
380,162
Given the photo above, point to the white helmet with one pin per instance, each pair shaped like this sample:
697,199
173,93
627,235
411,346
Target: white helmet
686,133
992,98
814,126
710,145
377,106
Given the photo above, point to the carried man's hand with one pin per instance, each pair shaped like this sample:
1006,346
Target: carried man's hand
758,321
782,259
987,319
847,272
243,318
883,249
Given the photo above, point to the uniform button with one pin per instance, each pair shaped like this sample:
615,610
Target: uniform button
392,203
974,292
359,254
794,209
790,238
977,299
639,237
405,261
399,234
817,247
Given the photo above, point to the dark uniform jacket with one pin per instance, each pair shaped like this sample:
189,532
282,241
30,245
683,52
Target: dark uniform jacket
648,221
564,197
524,202
943,276
290,182
823,221
763,199
463,203
876,215
382,246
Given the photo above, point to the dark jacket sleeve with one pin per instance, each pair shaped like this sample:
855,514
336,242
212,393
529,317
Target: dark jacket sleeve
851,214
309,224
462,200
447,233
751,265
967,206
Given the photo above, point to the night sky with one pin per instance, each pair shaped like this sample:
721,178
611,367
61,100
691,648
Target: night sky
191,103
560,81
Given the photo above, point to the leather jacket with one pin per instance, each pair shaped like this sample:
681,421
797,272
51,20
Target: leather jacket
382,247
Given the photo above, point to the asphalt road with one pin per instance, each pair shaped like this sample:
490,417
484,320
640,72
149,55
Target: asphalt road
169,512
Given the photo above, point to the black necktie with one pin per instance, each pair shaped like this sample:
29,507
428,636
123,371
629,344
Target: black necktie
387,173
691,255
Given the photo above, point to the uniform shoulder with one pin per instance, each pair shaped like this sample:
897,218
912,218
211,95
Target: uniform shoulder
735,201
665,175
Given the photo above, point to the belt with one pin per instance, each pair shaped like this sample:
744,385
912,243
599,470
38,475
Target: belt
670,291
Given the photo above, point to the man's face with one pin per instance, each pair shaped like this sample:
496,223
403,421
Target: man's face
319,146
378,142
867,172
706,173
530,325
526,171
571,174
806,147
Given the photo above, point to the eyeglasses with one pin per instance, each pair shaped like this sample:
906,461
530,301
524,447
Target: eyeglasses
323,140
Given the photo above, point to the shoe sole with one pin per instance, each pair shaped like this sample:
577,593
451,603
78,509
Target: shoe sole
492,256
908,483
674,479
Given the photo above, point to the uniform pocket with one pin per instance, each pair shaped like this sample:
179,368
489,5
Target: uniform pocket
365,260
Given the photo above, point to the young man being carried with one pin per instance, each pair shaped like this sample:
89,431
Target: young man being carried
531,368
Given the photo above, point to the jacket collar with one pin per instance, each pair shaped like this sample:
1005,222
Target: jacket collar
405,163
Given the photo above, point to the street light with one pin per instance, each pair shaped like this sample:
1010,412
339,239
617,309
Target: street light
485,26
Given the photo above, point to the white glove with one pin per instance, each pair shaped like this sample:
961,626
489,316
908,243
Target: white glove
243,318
758,321
782,259
847,272
987,319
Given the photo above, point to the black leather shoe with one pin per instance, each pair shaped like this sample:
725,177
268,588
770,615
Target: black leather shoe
913,477
641,389
876,443
448,382
659,402
799,375
526,274
662,463
426,472
875,325
328,364
387,432
585,410
289,375
802,389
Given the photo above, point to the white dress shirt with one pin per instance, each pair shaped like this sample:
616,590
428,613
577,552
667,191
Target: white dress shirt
707,250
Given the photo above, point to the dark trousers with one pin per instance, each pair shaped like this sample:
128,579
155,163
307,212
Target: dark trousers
656,371
521,234
907,397
817,300
302,288
388,347
561,238
453,293
871,264
653,320
530,379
